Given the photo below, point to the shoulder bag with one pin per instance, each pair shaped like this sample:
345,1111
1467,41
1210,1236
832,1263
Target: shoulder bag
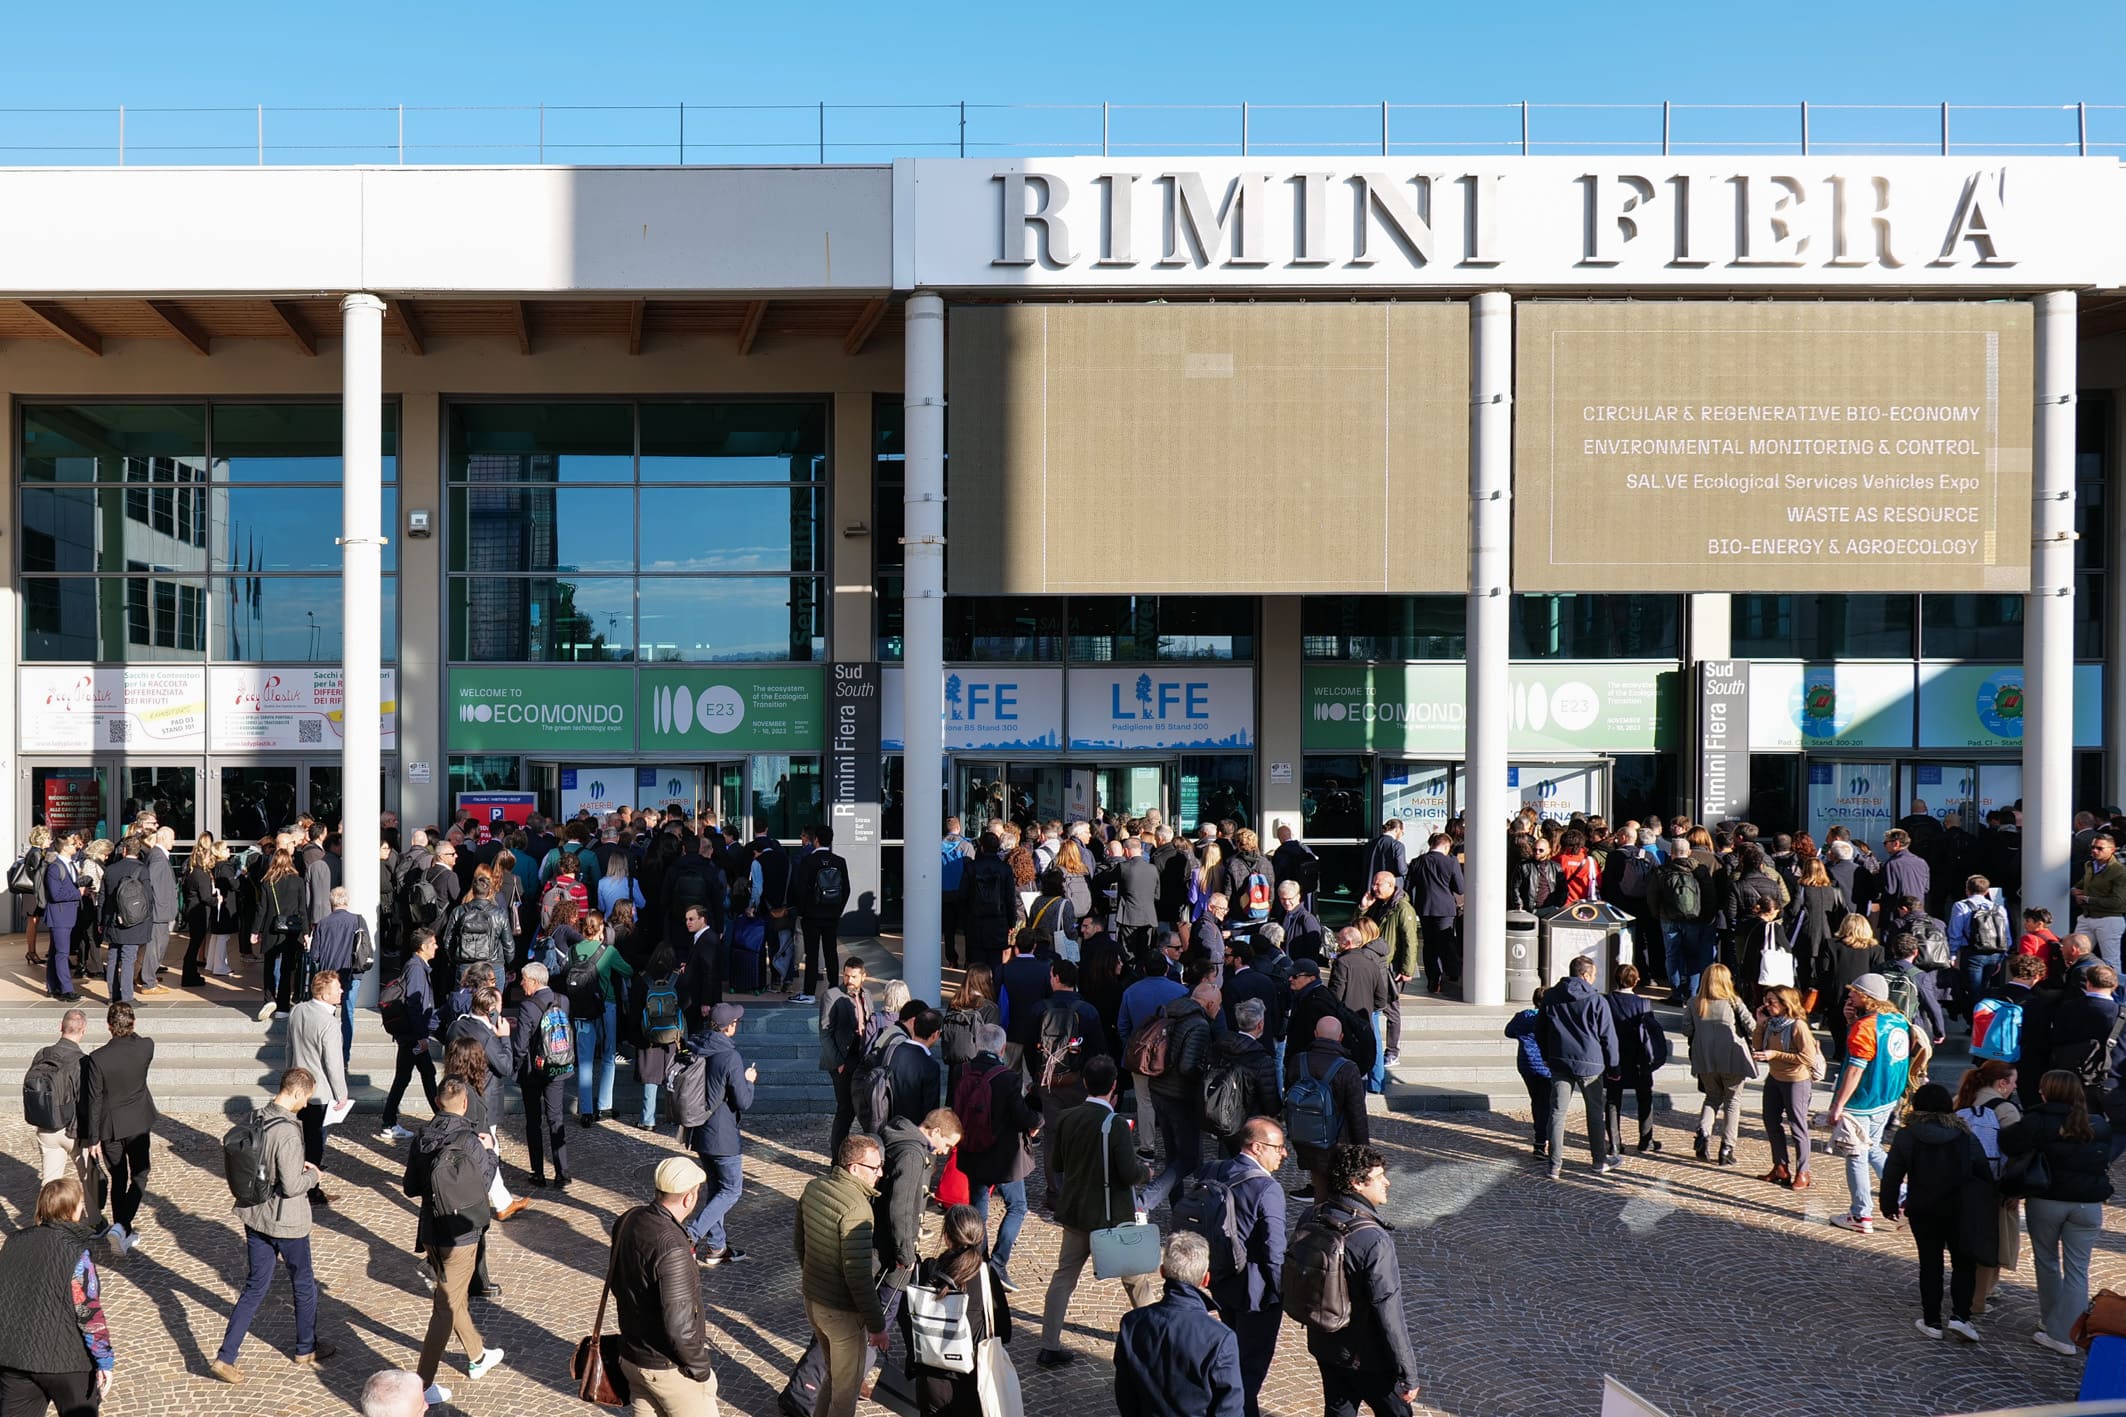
1120,1251
996,1381
596,1365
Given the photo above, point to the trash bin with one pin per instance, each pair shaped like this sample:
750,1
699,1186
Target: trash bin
1584,929
1522,941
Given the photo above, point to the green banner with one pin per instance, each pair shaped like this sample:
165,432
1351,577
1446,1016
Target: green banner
1623,707
715,708
558,709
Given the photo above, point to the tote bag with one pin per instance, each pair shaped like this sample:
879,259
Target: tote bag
996,1382
1120,1251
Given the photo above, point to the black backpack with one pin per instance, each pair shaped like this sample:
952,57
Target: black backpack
50,1091
1316,1282
586,997
1062,1045
957,1043
1224,1096
243,1159
688,1083
993,894
830,886
131,906
472,937
420,902
1206,1208
871,1084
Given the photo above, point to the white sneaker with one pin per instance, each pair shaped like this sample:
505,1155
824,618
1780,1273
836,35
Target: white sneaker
436,1396
804,999
1926,1328
116,1236
265,1012
2045,1340
1962,1329
483,1365
394,1132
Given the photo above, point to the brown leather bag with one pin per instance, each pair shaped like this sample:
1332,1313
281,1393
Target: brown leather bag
2106,1318
596,1366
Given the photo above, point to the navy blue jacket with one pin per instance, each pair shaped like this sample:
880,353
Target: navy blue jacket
62,893
332,942
1023,983
1302,932
1376,1343
524,1036
1174,1359
1258,1212
1642,1044
1252,983
727,1091
1579,1036
1435,880
423,1019
916,1079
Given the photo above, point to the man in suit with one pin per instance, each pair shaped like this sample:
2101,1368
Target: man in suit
119,1113
917,1076
162,886
1174,863
1250,1299
1022,987
1386,853
1096,1157
1137,885
545,1093
125,941
704,962
1436,888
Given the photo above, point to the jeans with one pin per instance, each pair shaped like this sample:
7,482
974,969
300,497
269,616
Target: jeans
1539,1105
1870,1157
263,1254
119,964
352,983
1786,1121
1972,971
1014,1194
728,1181
545,1120
1590,1089
595,1037
2106,930
649,1104
1379,1081
1933,1232
2061,1235
1676,955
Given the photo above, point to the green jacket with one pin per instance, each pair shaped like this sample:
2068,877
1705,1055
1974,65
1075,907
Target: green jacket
611,969
1397,919
836,1254
2106,889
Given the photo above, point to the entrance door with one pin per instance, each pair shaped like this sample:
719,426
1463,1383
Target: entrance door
1419,794
1557,790
257,798
1946,788
71,799
979,789
171,793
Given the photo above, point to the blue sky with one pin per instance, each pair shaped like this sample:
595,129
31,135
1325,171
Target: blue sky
469,54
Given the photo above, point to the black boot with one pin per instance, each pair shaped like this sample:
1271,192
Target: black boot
1702,1145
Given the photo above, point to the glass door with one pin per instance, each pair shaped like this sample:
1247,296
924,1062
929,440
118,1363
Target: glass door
71,799
1420,795
171,793
1857,795
1558,790
1947,788
322,781
256,799
979,791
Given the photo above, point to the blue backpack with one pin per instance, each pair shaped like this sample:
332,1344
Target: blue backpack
1310,1115
1997,1029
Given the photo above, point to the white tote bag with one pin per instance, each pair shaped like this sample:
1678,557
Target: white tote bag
996,1382
1120,1251
943,1337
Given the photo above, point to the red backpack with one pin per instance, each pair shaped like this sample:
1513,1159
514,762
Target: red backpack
972,1102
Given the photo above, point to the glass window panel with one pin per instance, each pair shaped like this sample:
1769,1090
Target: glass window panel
1215,789
294,618
988,628
481,773
71,800
2089,611
1335,797
559,442
540,619
889,616
1204,627
98,442
255,800
731,529
1971,627
1383,627
730,619
289,442
170,793
112,618
277,529
1821,626
786,794
1595,626
82,529
500,529
734,442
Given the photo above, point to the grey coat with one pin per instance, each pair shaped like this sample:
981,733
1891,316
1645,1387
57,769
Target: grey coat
284,1215
1719,1042
162,886
314,1043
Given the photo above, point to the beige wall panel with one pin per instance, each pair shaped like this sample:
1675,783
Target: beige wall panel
1773,447
1257,449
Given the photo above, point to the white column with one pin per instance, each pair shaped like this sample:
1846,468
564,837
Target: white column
361,586
2115,624
1487,803
2048,620
923,645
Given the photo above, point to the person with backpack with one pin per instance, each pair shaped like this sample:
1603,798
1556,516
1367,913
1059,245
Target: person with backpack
544,1040
1855,955
447,1172
118,1113
660,1023
1098,1172
1067,1031
998,1130
1172,1051
1683,899
1912,988
1324,1105
1642,1051
477,931
727,1091
989,902
409,1014
128,917
1249,884
1881,1048
820,894
1237,1208
271,1183
1579,1042
1980,937
961,1268
1939,1180
1023,986
1986,1104
1239,1076
911,1150
2081,1033
915,1078
1343,1281
593,985
52,1098
1174,1356
768,887
2065,1202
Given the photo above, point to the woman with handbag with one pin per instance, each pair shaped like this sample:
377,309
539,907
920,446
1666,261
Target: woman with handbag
1786,1045
1939,1178
1986,1101
1717,1026
1818,910
279,929
2058,1158
962,1272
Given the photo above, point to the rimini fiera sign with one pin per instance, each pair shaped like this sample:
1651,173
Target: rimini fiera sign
1091,222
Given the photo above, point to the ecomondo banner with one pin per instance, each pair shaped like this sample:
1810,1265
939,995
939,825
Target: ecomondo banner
562,709
1619,707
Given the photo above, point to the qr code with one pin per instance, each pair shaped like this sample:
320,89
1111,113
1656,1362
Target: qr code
309,730
117,730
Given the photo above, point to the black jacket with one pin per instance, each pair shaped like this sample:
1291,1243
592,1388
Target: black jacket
804,887
1947,1176
1309,1007
447,1172
898,1212
119,1104
704,975
2080,1170
1376,1343
1302,932
40,1331
987,927
916,1079
121,868
1023,986
1347,1084
1009,1156
70,1086
1260,1095
1188,1048
501,1062
1360,979
1174,864
657,1294
524,1035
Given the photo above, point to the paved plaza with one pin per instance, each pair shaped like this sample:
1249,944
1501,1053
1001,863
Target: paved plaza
1707,1291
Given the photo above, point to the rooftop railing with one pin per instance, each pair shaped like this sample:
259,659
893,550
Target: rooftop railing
786,134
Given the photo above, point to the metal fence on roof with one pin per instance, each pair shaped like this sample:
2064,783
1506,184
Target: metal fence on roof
783,134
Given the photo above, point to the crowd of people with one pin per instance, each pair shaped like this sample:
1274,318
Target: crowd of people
1152,1022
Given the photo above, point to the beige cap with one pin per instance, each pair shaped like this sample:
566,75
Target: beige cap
677,1175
